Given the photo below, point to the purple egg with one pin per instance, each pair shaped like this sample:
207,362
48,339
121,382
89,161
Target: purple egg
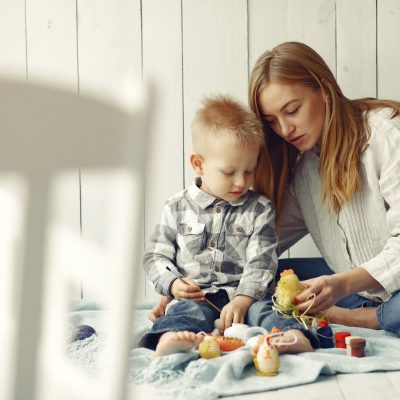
82,332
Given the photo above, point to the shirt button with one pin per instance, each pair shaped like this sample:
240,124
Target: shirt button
216,269
260,293
217,209
212,244
239,229
189,229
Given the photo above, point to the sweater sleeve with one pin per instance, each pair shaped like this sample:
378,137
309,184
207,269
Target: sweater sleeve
385,266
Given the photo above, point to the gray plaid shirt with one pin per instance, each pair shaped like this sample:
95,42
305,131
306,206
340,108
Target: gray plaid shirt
218,244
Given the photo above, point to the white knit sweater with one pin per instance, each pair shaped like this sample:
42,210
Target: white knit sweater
366,231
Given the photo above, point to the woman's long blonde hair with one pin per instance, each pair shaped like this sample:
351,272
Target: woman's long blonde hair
345,133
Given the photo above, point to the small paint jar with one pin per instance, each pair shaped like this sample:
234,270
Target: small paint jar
355,346
325,336
340,339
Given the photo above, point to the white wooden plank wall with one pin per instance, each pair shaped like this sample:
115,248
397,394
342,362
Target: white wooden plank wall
109,56
189,49
162,64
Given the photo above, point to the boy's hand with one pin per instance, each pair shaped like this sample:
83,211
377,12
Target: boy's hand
189,290
235,311
159,309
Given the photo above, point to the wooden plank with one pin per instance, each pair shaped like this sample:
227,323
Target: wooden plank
13,38
52,47
356,47
52,57
366,386
388,34
162,64
325,384
214,56
313,22
109,46
394,378
109,61
267,26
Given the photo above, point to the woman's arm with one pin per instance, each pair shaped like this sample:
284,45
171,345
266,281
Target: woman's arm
330,288
385,148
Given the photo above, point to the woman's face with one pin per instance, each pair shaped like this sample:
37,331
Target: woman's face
295,112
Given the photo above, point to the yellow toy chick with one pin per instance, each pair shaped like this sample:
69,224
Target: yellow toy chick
266,360
287,289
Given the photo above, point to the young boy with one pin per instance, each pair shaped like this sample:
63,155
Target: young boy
217,234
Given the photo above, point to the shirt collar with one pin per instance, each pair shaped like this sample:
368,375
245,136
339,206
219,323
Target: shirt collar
204,200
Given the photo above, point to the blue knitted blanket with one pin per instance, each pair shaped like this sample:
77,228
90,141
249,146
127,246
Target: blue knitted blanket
185,375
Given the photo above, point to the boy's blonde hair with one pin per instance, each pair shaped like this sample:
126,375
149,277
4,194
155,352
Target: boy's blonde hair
224,116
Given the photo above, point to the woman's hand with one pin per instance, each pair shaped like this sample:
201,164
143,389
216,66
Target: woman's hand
186,289
235,311
328,290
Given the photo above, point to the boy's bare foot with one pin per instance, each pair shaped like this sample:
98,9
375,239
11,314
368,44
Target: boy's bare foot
177,342
159,309
361,317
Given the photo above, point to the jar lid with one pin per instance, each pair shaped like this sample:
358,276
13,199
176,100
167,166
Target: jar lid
355,341
341,335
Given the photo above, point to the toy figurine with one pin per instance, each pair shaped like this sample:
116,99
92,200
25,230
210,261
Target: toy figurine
284,299
287,289
266,360
355,346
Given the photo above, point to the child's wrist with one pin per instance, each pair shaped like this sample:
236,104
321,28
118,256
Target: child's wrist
244,300
170,293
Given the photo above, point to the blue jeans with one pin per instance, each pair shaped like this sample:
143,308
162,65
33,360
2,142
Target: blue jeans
185,315
261,314
387,313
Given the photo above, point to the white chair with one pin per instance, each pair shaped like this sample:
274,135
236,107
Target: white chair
46,136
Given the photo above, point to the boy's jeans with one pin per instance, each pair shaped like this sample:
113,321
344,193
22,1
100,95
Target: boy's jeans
261,314
186,315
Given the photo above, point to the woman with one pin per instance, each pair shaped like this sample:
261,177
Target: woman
335,166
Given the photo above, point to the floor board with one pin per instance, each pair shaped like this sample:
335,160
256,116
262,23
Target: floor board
394,377
366,386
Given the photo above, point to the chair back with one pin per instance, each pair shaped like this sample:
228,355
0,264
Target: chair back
49,139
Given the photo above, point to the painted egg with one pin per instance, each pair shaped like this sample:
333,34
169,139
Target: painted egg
209,348
82,332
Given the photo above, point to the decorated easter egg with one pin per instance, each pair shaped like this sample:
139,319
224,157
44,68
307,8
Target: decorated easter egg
209,348
82,332
229,343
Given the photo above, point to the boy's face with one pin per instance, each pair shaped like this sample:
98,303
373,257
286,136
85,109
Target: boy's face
226,170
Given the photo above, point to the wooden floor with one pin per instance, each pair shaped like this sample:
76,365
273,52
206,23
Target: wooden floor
366,386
